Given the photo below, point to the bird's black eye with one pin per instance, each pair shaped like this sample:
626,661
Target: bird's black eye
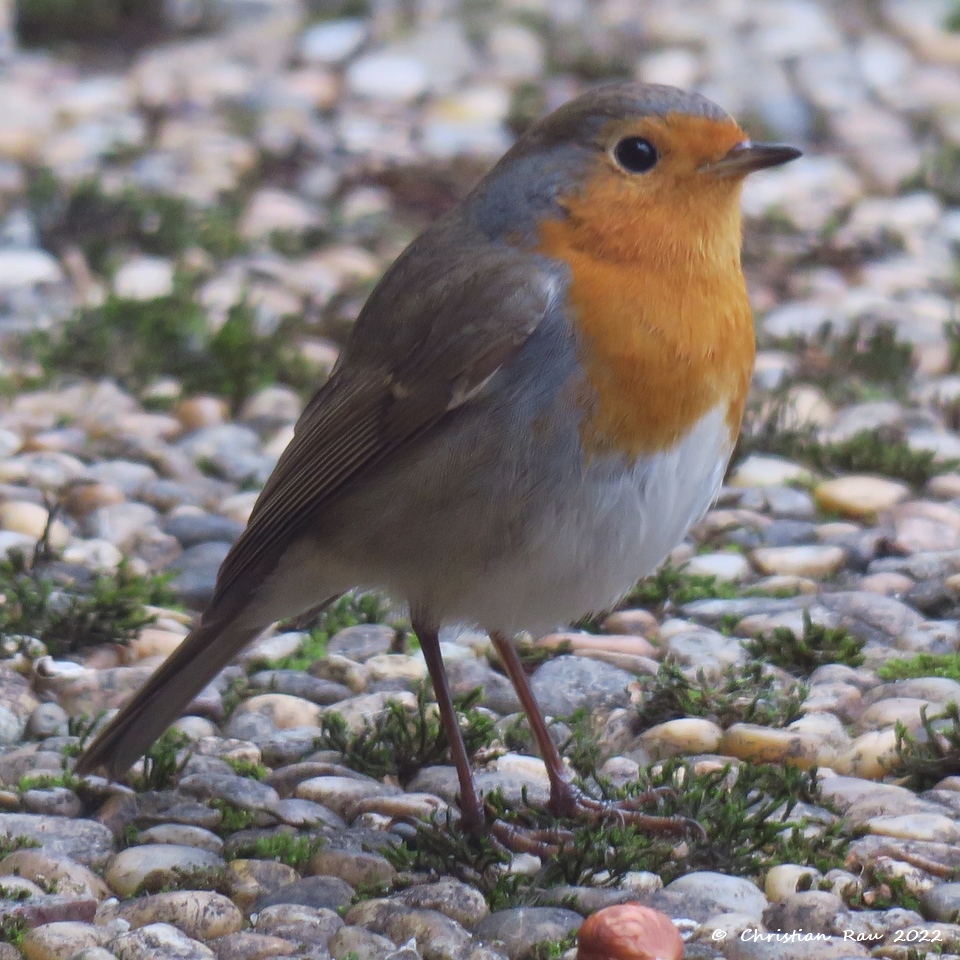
636,155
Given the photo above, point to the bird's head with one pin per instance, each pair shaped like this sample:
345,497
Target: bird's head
633,169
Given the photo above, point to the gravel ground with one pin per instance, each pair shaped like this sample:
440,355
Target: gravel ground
233,187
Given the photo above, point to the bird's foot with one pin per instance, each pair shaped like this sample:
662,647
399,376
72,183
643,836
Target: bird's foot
571,804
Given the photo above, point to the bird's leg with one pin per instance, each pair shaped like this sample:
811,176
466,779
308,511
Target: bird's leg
471,805
566,798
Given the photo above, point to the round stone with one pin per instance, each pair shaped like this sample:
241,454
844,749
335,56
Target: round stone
30,519
784,879
690,735
394,77
333,42
727,567
747,741
763,471
160,864
814,560
201,914
201,411
144,278
860,496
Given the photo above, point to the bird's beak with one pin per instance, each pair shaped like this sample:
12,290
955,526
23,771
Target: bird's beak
746,157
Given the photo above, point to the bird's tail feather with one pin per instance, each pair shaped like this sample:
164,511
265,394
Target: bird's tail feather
161,700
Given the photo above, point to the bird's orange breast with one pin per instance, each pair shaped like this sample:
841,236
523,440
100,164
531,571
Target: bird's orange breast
664,322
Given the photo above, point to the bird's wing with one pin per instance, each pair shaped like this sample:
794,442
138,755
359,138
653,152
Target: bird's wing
402,375
397,378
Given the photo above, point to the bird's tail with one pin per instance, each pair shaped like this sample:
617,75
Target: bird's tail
161,700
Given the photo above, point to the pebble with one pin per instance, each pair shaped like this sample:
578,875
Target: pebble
156,941
860,496
31,520
158,864
71,878
343,794
356,867
565,684
454,899
688,735
85,841
144,278
799,561
762,471
520,928
201,411
64,939
704,894
393,77
200,914
195,572
726,567
333,42
303,924
360,943
27,268
747,741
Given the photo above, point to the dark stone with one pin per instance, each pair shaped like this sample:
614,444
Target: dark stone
812,911
522,928
362,642
789,533
498,693
565,684
321,893
299,684
196,573
193,528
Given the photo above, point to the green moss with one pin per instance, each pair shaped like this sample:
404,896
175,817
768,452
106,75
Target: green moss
400,743
45,781
247,768
295,850
350,610
234,695
673,586
884,891
13,929
240,359
68,615
527,104
232,818
105,224
582,749
922,665
10,845
952,20
925,758
853,366
335,9
744,694
14,893
551,949
883,450
533,656
137,342
131,341
163,763
816,646
213,879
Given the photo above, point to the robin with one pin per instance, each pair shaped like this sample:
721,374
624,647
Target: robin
536,402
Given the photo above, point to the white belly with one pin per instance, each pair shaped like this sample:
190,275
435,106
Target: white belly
592,547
